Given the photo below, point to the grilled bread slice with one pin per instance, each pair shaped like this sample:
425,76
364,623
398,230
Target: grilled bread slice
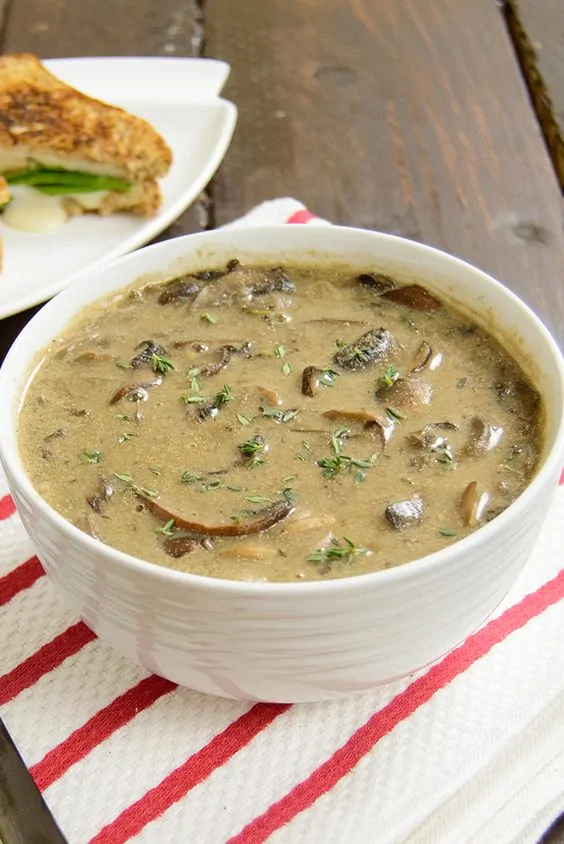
46,123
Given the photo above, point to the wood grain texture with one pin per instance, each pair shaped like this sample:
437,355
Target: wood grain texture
537,29
409,118
64,28
59,28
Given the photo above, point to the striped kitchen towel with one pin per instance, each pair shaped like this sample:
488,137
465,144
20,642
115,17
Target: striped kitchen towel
469,750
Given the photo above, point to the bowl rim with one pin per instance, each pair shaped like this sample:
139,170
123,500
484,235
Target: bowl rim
439,559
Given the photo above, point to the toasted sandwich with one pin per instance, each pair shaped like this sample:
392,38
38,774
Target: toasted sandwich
96,157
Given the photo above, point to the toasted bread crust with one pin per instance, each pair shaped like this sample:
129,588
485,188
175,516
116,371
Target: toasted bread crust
43,114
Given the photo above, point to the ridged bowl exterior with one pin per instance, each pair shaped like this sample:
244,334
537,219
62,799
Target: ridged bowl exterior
289,642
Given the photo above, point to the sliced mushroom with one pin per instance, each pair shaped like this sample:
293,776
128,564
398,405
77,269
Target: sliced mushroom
135,392
428,438
372,347
145,356
213,275
93,357
265,519
404,514
473,504
275,281
180,289
405,393
309,380
376,281
384,426
422,357
483,438
269,396
103,494
413,296
178,546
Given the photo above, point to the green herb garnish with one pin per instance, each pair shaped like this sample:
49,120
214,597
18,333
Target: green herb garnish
287,368
167,529
244,420
328,377
280,415
395,414
126,437
337,551
461,383
224,396
160,363
188,399
447,532
124,417
289,494
91,456
337,439
127,479
390,374
280,351
208,318
258,499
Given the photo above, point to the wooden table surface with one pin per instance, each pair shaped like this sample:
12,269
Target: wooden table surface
439,120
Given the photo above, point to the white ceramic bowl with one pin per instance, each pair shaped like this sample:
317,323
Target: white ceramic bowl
296,641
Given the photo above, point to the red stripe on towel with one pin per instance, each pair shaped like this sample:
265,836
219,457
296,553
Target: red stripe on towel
19,579
342,762
7,507
195,770
303,216
47,658
105,722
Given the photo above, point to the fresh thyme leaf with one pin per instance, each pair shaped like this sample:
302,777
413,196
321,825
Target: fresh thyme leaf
189,478
195,384
395,414
280,351
211,485
160,363
306,445
337,439
258,499
224,396
390,374
280,415
234,488
124,417
154,471
244,420
447,532
91,456
208,318
127,479
128,435
328,377
251,446
287,368
359,477
332,465
289,478
167,529
340,343
461,383
345,551
187,399
289,494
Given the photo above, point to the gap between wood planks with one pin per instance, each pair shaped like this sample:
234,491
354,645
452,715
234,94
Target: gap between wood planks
538,91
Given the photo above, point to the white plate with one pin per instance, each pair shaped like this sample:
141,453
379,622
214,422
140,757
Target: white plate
179,97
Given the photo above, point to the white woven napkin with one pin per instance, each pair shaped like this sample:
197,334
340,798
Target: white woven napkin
470,750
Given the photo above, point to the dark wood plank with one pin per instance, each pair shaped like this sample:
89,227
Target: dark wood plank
61,28
537,29
410,118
